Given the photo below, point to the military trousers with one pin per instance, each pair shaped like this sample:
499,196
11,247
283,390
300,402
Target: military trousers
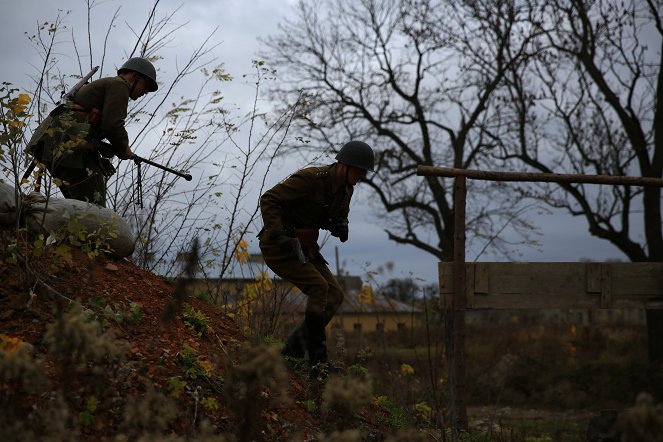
81,172
324,293
83,184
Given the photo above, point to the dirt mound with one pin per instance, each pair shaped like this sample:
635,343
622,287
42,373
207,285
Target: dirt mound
175,371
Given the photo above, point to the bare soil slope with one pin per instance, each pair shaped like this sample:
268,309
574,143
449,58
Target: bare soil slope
182,367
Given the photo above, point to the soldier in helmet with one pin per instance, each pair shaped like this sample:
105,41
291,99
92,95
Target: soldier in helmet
67,141
293,212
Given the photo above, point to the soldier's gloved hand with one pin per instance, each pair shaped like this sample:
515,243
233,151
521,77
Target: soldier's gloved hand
107,167
127,154
339,230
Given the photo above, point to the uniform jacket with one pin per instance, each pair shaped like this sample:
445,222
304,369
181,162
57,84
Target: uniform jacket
309,198
64,127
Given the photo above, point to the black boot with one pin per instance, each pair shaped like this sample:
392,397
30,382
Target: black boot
295,346
316,338
317,346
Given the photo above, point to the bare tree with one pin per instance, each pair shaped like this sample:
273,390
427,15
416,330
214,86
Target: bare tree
590,103
417,79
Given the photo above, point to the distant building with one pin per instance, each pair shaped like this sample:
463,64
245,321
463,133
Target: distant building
269,300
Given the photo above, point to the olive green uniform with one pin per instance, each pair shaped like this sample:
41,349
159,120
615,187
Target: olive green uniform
308,199
59,139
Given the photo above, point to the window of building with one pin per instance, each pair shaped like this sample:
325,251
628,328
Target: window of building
401,326
357,326
379,326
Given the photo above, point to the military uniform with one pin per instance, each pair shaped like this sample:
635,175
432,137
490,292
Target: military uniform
63,141
305,202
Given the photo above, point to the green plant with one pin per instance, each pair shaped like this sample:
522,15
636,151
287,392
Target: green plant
210,404
13,113
135,313
93,243
189,361
196,321
395,415
204,296
86,417
357,370
74,338
104,312
269,340
176,385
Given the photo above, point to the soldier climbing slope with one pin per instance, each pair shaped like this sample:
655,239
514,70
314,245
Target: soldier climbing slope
293,212
67,141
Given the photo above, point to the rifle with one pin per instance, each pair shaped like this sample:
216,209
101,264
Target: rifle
69,96
139,183
139,160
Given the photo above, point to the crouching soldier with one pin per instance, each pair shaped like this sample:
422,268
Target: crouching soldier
67,142
293,212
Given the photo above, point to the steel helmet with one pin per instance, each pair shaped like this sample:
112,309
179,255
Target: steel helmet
144,67
357,154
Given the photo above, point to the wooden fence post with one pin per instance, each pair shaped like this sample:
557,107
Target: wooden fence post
455,317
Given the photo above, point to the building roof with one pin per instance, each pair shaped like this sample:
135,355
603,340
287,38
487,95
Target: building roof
356,301
292,300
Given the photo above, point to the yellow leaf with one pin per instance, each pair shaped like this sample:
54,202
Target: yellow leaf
241,251
406,370
9,344
366,295
23,99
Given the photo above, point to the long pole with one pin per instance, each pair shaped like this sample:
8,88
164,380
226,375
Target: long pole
538,177
456,316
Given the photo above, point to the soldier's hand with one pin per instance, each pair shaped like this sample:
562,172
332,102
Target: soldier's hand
127,154
107,167
339,230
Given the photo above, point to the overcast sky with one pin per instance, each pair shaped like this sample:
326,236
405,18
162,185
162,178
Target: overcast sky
241,23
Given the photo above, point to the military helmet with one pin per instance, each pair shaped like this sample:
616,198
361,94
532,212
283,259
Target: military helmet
143,67
357,154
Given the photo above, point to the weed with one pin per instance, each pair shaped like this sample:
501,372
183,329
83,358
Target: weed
135,313
395,415
86,417
189,361
74,338
357,370
115,312
176,385
210,404
196,321
204,296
